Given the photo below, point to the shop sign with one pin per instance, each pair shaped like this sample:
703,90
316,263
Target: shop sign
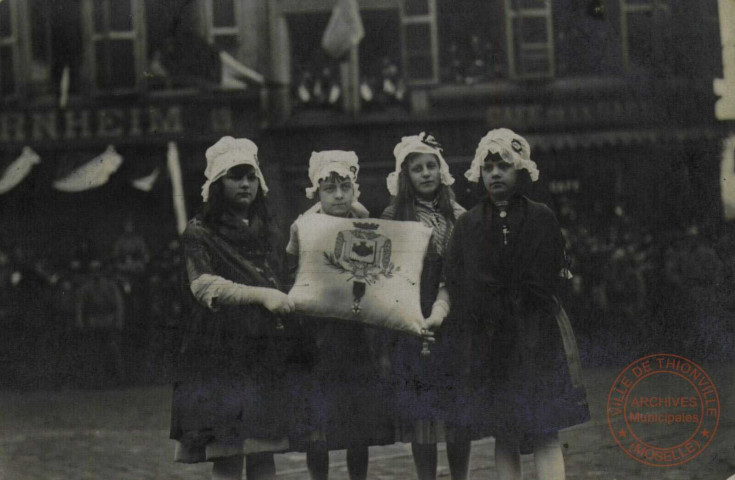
598,113
109,123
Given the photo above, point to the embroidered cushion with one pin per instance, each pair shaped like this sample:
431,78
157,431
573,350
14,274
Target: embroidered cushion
364,270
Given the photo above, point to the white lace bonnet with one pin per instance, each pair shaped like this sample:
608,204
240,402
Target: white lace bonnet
229,152
421,143
510,146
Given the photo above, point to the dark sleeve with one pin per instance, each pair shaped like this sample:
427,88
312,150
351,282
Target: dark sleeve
453,271
541,275
197,257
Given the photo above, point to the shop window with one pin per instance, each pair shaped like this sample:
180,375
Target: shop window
9,48
530,41
117,50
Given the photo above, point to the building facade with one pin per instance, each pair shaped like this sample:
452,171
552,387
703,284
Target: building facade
615,97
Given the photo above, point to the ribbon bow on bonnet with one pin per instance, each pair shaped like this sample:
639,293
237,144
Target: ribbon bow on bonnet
513,148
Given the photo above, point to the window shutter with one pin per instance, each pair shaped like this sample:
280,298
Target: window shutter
420,42
118,43
530,38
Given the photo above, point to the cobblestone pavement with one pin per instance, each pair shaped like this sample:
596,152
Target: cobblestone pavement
122,434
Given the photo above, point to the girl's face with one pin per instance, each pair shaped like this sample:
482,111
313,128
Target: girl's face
425,176
335,195
499,177
240,186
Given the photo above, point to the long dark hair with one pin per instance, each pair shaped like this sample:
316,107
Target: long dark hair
405,199
216,205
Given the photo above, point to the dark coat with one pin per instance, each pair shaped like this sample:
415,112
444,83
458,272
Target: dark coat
522,364
235,368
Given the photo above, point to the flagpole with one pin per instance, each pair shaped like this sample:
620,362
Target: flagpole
355,78
174,169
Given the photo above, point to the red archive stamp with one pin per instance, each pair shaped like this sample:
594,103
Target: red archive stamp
663,410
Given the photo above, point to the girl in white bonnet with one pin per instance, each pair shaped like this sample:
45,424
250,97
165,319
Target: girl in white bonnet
504,263
231,389
425,388
343,394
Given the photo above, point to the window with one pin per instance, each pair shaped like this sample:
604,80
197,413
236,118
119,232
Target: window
56,46
419,39
587,38
640,27
222,26
530,41
472,40
9,48
116,51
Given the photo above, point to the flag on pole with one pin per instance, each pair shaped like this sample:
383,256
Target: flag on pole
727,178
146,183
18,170
344,30
92,174
174,170
234,75
64,87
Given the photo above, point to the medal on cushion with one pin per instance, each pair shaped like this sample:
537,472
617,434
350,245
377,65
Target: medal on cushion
358,291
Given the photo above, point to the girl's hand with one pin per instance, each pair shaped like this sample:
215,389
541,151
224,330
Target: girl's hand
434,322
439,312
277,302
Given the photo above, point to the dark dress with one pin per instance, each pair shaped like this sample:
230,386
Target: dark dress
425,389
345,395
523,366
232,389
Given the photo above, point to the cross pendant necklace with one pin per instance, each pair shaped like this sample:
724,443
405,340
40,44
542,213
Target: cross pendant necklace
502,206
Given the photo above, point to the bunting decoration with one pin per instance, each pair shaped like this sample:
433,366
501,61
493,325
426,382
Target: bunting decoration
235,75
18,170
92,174
146,183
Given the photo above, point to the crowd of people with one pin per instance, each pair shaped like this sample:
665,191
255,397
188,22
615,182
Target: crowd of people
210,311
632,291
85,318
637,291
